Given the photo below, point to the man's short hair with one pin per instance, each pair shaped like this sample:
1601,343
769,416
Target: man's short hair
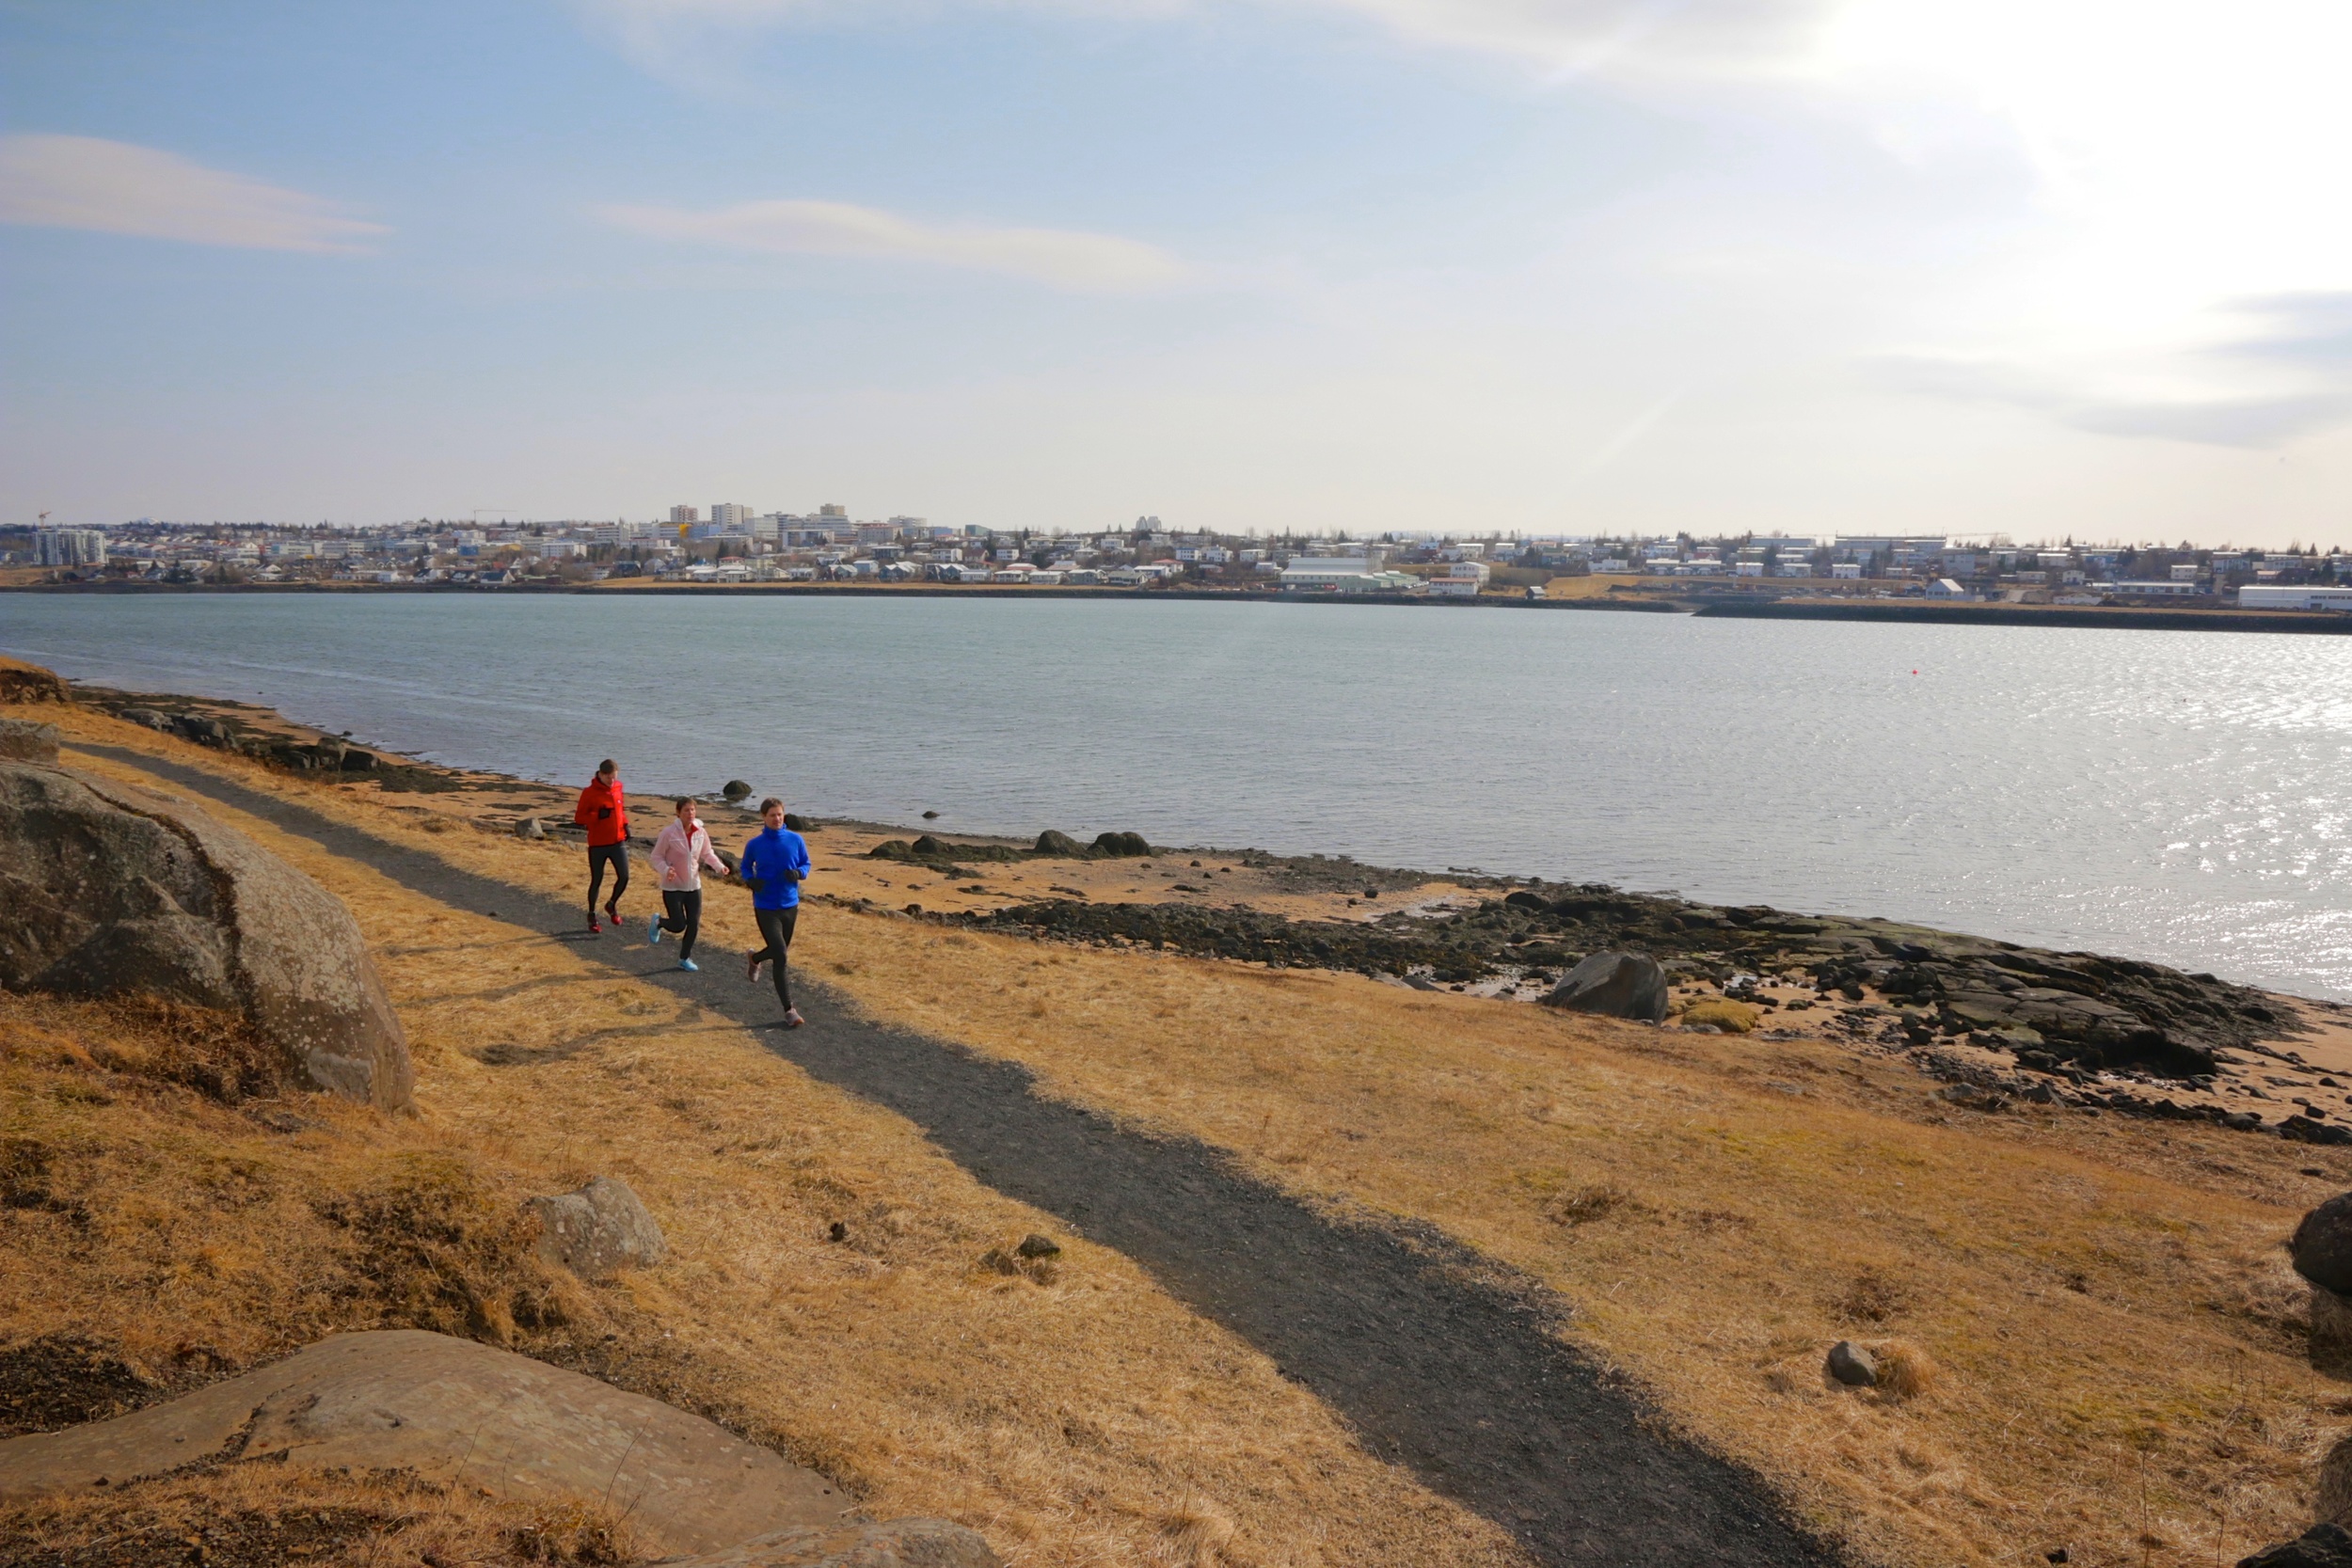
772,803
607,766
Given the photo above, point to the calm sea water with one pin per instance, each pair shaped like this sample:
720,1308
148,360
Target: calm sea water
2181,796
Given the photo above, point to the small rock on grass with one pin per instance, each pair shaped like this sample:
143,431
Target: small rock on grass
1852,1366
530,827
599,1231
1035,1245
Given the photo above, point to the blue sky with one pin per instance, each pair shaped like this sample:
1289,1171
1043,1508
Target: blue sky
2070,267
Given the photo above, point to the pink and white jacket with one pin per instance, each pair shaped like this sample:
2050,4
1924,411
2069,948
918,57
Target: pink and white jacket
680,859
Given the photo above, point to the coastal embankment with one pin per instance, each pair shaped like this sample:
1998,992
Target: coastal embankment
2103,1346
1726,602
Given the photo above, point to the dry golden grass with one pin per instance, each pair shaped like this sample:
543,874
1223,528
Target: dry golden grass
1732,1017
1090,1420
264,1516
2117,1338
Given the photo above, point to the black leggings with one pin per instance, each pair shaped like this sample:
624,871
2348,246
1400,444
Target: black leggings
686,915
599,856
776,930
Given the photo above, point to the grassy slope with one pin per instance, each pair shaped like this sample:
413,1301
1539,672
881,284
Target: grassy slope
1087,1418
2106,1299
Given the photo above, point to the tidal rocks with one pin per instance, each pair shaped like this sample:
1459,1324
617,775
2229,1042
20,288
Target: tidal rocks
735,792
1614,985
530,827
600,1229
900,1543
2322,1245
1119,845
405,1399
2305,1129
1852,1366
1053,842
112,890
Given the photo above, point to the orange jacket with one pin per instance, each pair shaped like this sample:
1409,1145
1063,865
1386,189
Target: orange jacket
604,812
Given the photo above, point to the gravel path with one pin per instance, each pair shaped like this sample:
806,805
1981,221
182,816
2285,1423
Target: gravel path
1441,1366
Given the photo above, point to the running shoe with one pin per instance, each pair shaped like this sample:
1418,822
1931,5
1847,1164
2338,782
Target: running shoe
792,1018
595,929
752,976
612,912
653,932
690,966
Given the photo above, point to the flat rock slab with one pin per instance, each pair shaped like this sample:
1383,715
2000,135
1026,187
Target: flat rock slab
450,1409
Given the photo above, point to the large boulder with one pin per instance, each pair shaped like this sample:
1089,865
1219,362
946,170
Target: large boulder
2322,1246
599,1231
1614,984
407,1400
112,890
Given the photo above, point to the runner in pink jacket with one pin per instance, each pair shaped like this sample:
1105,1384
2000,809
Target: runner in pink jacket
679,853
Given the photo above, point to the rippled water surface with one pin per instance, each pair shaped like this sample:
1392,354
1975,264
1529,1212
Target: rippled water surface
2178,796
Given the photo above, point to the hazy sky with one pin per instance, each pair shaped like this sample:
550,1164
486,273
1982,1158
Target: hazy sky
2040,267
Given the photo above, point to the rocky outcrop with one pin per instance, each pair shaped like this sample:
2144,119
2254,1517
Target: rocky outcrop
2074,1012
452,1409
599,1231
1614,984
30,682
901,1544
112,890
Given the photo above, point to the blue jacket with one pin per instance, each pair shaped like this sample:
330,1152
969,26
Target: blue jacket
776,859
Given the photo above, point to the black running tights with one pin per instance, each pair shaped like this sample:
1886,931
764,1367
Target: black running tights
599,856
684,919
775,929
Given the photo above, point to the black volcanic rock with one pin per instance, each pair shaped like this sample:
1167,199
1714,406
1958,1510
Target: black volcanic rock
2322,1246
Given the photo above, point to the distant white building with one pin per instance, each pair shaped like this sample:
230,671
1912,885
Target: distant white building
1945,588
69,547
2306,596
1323,572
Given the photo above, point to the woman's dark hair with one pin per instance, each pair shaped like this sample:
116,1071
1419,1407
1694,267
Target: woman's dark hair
681,804
772,803
607,766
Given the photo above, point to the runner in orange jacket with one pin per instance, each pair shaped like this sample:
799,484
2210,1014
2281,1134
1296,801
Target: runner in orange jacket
603,810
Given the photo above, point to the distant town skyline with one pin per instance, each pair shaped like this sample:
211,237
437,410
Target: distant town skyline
1517,266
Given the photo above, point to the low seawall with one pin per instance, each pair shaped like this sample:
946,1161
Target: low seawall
2319,623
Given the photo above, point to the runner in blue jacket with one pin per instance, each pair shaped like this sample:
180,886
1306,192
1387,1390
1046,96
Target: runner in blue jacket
775,865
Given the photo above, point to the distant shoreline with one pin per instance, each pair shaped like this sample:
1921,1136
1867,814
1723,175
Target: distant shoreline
1742,606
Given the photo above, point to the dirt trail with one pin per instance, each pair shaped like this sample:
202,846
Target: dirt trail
1443,1365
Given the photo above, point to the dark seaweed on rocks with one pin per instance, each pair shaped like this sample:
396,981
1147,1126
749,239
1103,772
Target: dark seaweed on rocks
2077,1009
1050,845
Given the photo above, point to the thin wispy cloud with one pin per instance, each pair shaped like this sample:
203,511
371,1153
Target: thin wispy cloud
58,182
1564,38
2284,369
1059,258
